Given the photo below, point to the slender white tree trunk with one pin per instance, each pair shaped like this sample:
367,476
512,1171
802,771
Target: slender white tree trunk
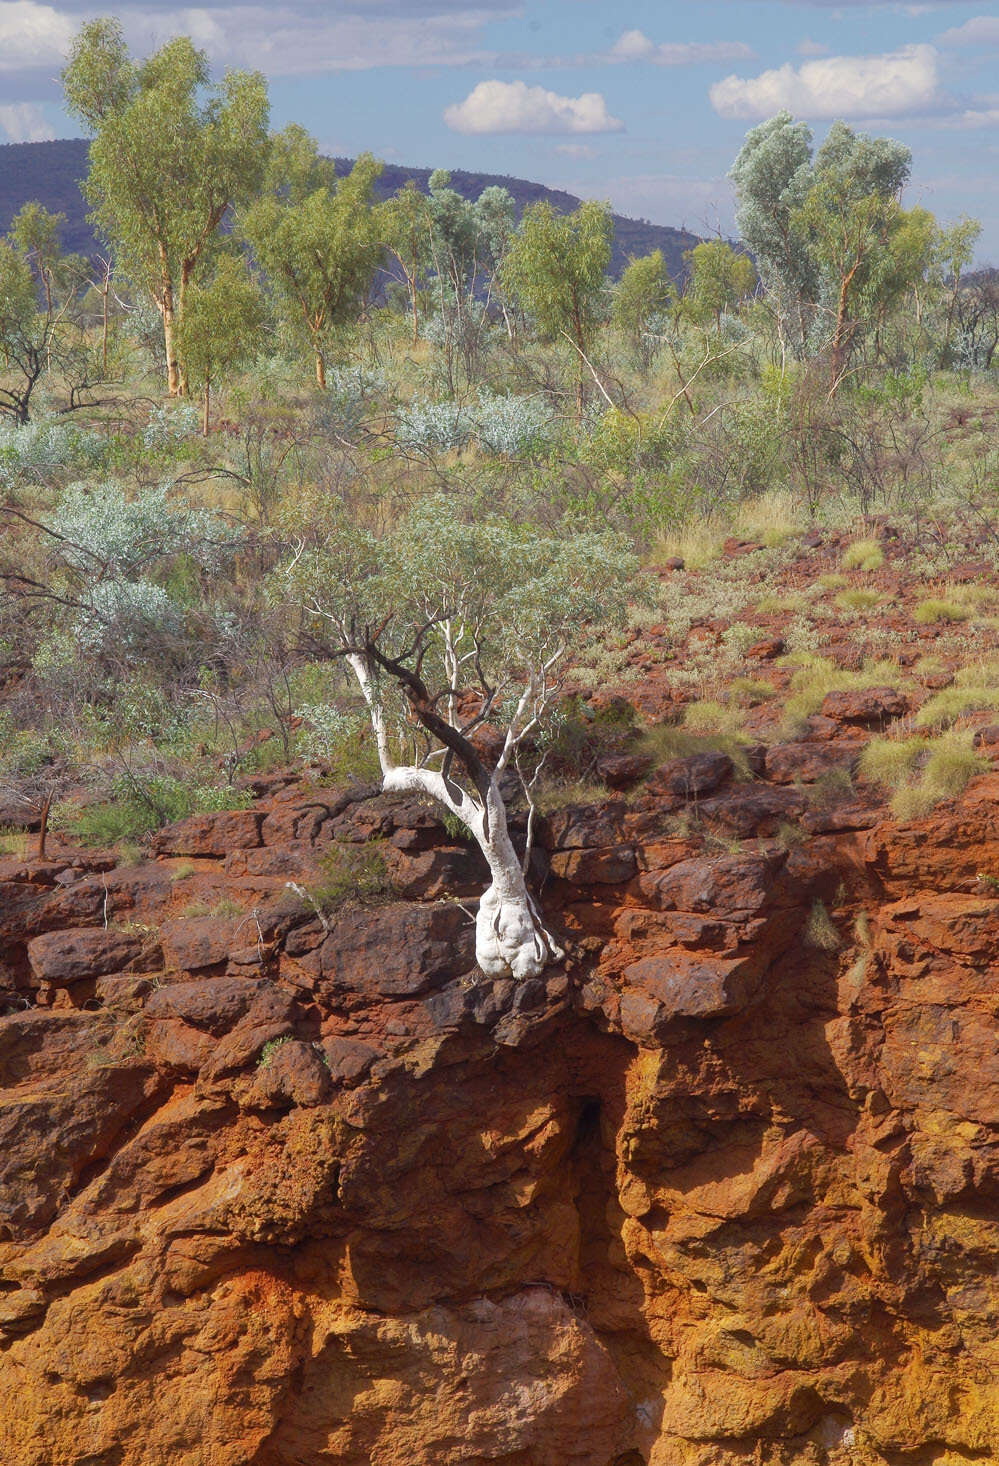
511,939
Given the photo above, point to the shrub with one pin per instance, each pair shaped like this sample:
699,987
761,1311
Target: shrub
511,425
858,599
890,761
933,610
820,930
434,427
140,804
863,555
945,707
351,873
338,740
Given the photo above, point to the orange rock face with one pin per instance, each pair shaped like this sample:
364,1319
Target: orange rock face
710,1195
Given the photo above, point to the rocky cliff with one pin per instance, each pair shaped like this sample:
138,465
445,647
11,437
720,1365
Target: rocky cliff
278,1188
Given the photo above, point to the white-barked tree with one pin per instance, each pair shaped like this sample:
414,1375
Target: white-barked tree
454,624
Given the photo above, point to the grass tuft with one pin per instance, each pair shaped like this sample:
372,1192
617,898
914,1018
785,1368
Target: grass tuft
863,555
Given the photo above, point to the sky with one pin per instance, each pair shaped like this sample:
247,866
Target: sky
643,102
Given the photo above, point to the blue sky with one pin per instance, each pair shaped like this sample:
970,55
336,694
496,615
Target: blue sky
644,102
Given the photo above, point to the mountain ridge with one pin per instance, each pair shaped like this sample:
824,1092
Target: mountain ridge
50,172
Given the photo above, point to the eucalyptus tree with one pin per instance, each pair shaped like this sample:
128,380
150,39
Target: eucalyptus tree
171,154
720,277
406,233
449,626
41,328
644,294
317,238
772,176
852,219
555,268
222,326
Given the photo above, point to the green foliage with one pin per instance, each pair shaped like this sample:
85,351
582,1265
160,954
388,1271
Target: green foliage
352,873
270,1048
141,804
555,269
170,154
318,242
863,555
222,324
720,278
644,294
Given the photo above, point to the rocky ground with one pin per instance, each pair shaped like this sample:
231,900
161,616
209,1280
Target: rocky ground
280,1187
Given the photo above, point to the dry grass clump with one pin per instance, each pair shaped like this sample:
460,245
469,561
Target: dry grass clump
934,610
858,599
820,930
834,581
770,519
816,676
863,555
890,762
751,690
920,771
708,728
975,689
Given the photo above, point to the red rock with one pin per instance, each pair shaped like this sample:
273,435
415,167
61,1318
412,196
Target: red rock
191,944
209,834
766,650
870,707
66,957
348,1058
729,886
788,763
294,1074
622,770
394,950
697,774
595,867
658,991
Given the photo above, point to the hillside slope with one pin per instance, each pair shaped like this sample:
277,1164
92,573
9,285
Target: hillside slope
50,173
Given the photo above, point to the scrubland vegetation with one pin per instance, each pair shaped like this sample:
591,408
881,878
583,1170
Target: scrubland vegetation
294,475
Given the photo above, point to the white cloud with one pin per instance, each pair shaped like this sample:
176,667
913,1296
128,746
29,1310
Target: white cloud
809,47
32,35
703,205
575,150
24,122
899,83
982,30
513,106
636,46
303,39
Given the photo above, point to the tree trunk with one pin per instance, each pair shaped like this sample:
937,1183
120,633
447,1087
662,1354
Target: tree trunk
510,937
170,343
415,310
208,398
320,371
43,827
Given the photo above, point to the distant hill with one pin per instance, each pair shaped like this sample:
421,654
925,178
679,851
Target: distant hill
50,173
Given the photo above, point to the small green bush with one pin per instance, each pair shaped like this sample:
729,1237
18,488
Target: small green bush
933,610
891,762
863,555
820,931
352,873
858,599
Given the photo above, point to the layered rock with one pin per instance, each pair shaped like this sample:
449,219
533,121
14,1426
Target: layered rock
278,1189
